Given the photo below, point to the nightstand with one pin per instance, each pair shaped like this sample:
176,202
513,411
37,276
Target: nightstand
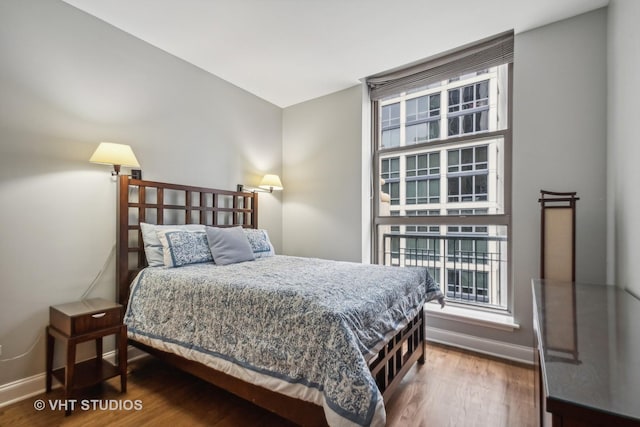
86,320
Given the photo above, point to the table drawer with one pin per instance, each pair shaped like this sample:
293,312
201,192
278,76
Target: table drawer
85,322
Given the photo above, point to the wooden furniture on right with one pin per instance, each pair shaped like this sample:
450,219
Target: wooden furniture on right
601,385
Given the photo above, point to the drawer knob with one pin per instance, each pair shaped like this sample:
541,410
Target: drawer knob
98,315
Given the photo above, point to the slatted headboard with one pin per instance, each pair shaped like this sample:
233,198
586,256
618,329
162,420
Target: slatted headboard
162,203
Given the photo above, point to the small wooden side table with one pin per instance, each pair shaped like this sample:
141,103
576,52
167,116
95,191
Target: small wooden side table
86,320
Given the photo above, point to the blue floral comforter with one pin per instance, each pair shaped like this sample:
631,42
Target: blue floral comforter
300,326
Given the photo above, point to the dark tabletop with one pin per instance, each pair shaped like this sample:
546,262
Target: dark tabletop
590,337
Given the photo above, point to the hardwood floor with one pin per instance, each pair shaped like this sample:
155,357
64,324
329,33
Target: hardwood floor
454,388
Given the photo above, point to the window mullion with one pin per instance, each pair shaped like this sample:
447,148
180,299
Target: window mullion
475,138
444,220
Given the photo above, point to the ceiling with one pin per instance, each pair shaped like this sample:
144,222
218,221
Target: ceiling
290,51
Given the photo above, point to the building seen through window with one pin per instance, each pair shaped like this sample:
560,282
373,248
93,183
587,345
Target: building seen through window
440,155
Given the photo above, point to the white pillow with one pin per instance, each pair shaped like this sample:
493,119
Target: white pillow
152,244
229,245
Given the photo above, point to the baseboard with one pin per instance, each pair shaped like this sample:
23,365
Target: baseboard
27,387
21,389
133,354
499,349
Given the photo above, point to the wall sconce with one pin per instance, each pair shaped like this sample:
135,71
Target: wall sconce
117,155
269,184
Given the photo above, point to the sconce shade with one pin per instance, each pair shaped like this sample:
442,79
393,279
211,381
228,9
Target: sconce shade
109,153
271,183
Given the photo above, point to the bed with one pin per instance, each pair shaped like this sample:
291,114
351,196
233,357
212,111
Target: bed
282,332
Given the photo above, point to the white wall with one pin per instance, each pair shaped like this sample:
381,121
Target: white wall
322,170
67,82
623,146
559,144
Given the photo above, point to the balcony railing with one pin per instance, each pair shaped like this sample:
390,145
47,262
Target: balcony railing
470,269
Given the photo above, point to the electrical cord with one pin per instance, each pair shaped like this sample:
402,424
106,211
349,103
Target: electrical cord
99,275
82,298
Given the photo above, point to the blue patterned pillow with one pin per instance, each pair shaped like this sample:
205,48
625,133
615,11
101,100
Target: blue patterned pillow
152,244
260,243
182,247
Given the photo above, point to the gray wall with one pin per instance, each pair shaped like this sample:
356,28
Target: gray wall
322,204
623,147
67,82
559,144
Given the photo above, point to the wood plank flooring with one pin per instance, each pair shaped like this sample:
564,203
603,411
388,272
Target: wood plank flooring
454,388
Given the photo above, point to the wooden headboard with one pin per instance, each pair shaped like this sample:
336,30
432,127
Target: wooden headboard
161,203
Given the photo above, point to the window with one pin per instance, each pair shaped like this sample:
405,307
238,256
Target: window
467,285
468,174
442,146
390,121
423,164
467,250
422,119
390,173
469,109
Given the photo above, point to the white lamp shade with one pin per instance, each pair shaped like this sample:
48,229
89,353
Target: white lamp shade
271,182
109,153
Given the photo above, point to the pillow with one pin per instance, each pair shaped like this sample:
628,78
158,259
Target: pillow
152,245
182,247
229,245
260,243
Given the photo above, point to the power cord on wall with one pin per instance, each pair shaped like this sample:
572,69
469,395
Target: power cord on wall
83,297
99,275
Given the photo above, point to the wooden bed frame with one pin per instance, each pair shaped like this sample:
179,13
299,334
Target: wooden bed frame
161,203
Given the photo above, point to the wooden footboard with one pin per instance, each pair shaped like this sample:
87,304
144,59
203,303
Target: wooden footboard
398,356
388,369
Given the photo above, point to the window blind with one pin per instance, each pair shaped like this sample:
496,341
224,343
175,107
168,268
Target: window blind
490,52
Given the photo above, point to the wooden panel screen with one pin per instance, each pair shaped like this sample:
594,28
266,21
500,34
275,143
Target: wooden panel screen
558,236
172,204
